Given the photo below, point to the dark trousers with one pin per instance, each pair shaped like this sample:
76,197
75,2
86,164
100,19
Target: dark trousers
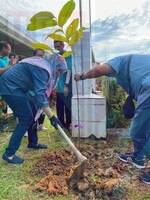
63,107
25,110
41,118
32,130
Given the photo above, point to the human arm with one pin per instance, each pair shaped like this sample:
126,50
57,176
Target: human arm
47,111
54,120
12,62
40,82
97,71
68,76
3,70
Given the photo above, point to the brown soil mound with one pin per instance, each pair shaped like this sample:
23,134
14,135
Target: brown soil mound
104,177
57,168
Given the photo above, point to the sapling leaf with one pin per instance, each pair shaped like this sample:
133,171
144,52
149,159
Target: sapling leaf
38,45
65,13
57,37
72,28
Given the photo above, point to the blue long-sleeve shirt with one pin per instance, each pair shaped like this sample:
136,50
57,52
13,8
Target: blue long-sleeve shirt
24,77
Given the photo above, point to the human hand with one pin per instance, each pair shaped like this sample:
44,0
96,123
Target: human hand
13,60
66,90
55,121
77,76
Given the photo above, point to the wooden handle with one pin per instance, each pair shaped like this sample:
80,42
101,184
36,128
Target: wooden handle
78,154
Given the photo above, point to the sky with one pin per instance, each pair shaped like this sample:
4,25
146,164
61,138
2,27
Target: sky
118,26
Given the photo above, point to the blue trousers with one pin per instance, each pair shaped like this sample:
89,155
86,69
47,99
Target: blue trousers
140,131
25,110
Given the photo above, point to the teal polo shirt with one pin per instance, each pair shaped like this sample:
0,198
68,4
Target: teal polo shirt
4,61
62,78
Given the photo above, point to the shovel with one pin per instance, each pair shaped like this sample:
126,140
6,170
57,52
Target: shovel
78,172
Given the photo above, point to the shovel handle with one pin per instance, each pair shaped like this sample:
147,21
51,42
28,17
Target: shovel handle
78,154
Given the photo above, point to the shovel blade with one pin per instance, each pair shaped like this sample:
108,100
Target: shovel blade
78,171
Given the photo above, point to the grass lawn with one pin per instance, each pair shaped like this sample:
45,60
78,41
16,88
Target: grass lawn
17,181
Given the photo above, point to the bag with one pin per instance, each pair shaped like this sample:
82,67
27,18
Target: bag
128,108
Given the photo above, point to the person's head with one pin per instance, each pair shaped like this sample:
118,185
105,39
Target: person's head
39,52
5,48
59,45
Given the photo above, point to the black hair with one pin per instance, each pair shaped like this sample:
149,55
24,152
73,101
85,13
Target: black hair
3,44
21,57
36,50
55,41
12,54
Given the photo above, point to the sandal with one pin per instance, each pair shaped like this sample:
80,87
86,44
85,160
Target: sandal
14,160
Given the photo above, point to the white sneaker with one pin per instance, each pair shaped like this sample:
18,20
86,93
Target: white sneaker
26,134
42,128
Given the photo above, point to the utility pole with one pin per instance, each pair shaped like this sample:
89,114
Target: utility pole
80,12
90,15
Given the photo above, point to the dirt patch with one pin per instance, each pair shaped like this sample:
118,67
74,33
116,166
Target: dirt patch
105,177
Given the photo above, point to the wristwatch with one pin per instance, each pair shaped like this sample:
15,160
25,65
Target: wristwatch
81,76
66,84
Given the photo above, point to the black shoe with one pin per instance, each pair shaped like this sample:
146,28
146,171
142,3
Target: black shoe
129,158
67,127
38,146
145,177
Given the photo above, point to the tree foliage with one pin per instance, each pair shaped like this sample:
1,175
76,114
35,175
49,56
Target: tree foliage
3,115
115,98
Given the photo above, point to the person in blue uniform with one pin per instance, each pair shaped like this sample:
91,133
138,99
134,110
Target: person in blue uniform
31,74
140,87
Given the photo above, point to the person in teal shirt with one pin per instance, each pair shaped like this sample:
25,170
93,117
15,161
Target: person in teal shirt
5,62
64,89
140,87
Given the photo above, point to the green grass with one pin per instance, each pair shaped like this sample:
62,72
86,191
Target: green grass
17,181
133,194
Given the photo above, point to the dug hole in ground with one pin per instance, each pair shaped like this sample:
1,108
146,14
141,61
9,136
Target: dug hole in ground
106,177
